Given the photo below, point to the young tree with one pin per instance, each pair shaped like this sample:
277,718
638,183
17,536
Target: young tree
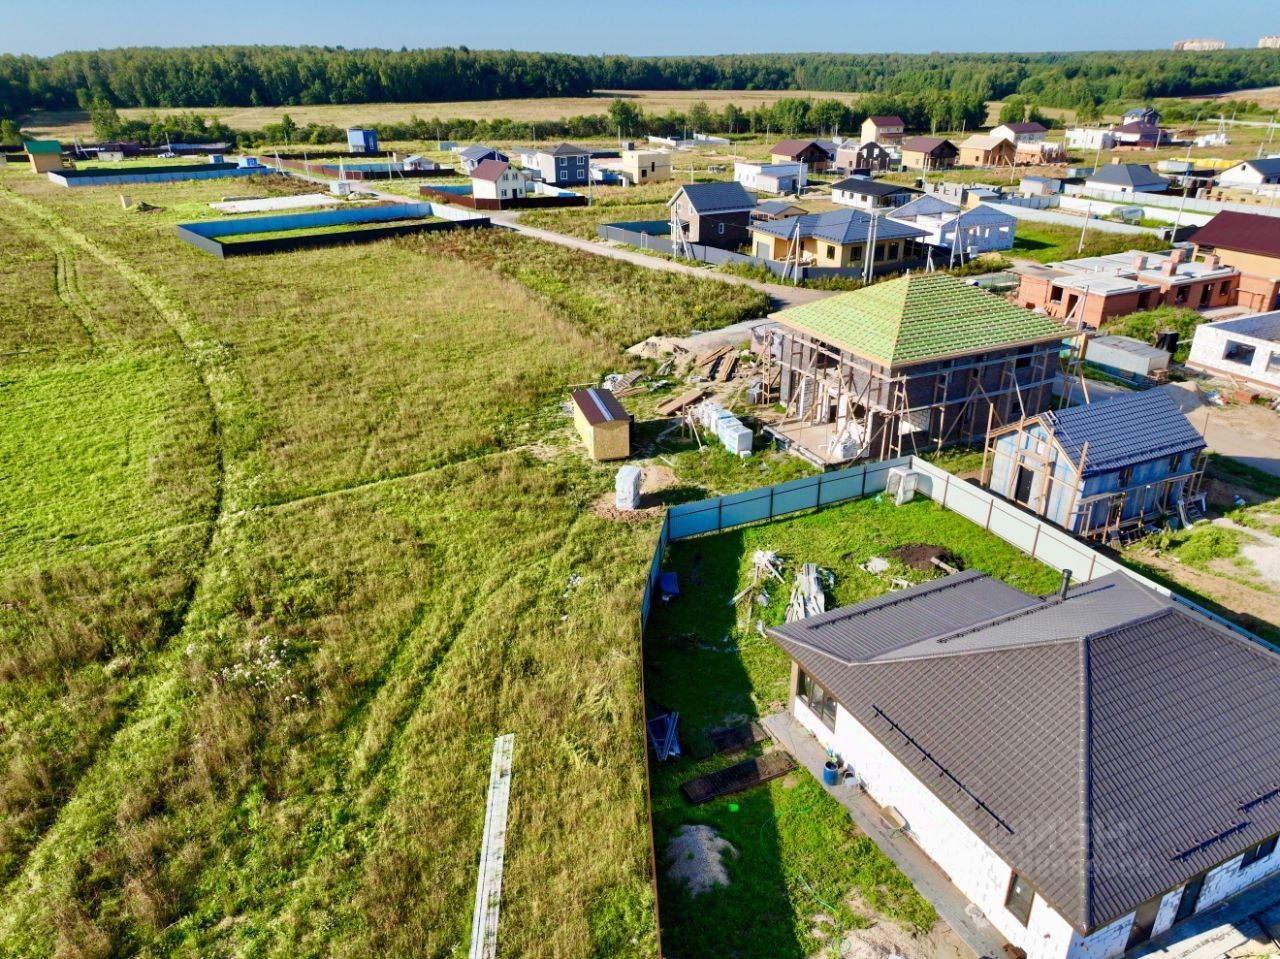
700,118
625,117
105,119
1013,110
10,135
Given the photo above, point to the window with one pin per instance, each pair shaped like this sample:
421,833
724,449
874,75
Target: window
1224,288
1241,353
1126,476
1273,362
504,192
561,161
821,702
1019,898
582,161
1175,463
831,252
720,228
1189,899
1259,852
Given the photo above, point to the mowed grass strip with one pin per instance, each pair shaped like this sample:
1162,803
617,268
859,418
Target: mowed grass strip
798,853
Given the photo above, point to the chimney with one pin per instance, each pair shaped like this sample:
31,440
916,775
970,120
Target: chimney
1066,581
1169,267
1178,255
1139,262
1211,261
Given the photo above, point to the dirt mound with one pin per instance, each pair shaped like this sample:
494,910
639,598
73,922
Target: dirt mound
696,856
921,556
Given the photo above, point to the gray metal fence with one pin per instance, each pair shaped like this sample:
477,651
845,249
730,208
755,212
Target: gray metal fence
1049,544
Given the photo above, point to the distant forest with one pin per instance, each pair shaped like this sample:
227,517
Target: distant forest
289,76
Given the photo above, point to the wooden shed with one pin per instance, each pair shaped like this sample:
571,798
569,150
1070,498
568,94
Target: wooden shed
602,423
45,155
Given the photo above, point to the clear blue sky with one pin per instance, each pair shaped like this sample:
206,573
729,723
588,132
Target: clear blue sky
647,27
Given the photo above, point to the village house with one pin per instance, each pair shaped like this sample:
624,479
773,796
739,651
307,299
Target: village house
987,150
1137,136
1030,132
1126,178
1090,290
866,158
776,178
563,165
928,153
863,193
908,365
1244,349
1133,783
1090,138
837,240
1100,469
1250,243
1147,115
883,129
1252,173
472,156
960,233
498,180
645,166
776,210
1039,152
811,153
713,214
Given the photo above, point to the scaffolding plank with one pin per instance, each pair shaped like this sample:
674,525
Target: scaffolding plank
484,920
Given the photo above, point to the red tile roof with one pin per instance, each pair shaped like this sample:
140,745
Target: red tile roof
1245,232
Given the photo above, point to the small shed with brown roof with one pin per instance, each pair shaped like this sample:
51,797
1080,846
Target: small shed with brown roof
602,423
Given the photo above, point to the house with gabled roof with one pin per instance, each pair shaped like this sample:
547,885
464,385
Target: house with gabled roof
1264,171
1090,769
907,365
498,180
864,193
963,233
1249,242
928,153
1126,178
1102,469
987,150
713,214
472,156
563,164
812,153
883,129
866,158
838,239
1028,132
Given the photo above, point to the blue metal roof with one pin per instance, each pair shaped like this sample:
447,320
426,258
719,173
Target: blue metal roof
838,226
1123,432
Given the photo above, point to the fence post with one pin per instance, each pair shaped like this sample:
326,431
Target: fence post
1035,540
946,488
991,505
719,513
771,512
1093,562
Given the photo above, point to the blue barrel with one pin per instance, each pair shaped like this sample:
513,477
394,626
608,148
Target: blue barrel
829,772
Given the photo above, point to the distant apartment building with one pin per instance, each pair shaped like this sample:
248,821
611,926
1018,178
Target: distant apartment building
1269,43
1200,45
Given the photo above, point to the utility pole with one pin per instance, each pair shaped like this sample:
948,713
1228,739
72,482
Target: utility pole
1088,211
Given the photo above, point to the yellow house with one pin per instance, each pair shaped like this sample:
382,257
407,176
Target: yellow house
837,240
645,166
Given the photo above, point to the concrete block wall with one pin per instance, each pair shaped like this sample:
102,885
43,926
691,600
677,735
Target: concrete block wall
1211,342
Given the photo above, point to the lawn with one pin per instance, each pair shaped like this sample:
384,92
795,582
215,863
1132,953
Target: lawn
798,853
1147,323
1047,242
288,540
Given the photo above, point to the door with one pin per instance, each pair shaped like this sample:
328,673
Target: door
1190,898
1022,488
1143,922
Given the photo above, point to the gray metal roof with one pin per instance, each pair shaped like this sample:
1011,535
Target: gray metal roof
1127,175
925,205
868,187
773,207
1109,746
565,150
1267,166
728,197
1124,431
838,226
479,151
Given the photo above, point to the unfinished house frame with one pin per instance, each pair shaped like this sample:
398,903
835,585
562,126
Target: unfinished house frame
1104,471
906,366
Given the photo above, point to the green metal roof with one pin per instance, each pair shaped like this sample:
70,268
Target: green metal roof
42,146
920,317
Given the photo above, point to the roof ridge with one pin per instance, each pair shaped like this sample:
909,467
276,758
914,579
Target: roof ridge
1086,778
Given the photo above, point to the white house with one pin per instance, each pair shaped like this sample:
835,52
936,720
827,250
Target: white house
1126,178
864,193
771,177
1246,348
496,180
1089,768
1252,173
980,229
1030,132
1090,138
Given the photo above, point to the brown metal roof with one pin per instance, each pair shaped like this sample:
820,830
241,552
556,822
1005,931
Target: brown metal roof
490,170
599,406
1244,232
928,145
1109,746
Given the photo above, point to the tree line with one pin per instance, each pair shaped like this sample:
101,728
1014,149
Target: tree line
186,78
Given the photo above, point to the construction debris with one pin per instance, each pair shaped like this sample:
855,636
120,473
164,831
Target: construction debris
664,736
676,404
764,563
876,566
807,596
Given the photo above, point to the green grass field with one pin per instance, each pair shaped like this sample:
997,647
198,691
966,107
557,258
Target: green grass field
798,852
1047,242
287,542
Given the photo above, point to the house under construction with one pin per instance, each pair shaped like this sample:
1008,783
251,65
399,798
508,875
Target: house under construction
908,365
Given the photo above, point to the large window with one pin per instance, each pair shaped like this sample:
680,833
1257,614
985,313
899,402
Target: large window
1019,898
819,701
1259,852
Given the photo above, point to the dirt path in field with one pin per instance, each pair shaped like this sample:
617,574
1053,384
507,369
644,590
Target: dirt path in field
1261,604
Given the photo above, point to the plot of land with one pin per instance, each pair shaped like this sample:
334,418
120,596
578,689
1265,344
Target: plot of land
287,542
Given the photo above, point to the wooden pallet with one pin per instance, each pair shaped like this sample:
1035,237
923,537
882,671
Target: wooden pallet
743,775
